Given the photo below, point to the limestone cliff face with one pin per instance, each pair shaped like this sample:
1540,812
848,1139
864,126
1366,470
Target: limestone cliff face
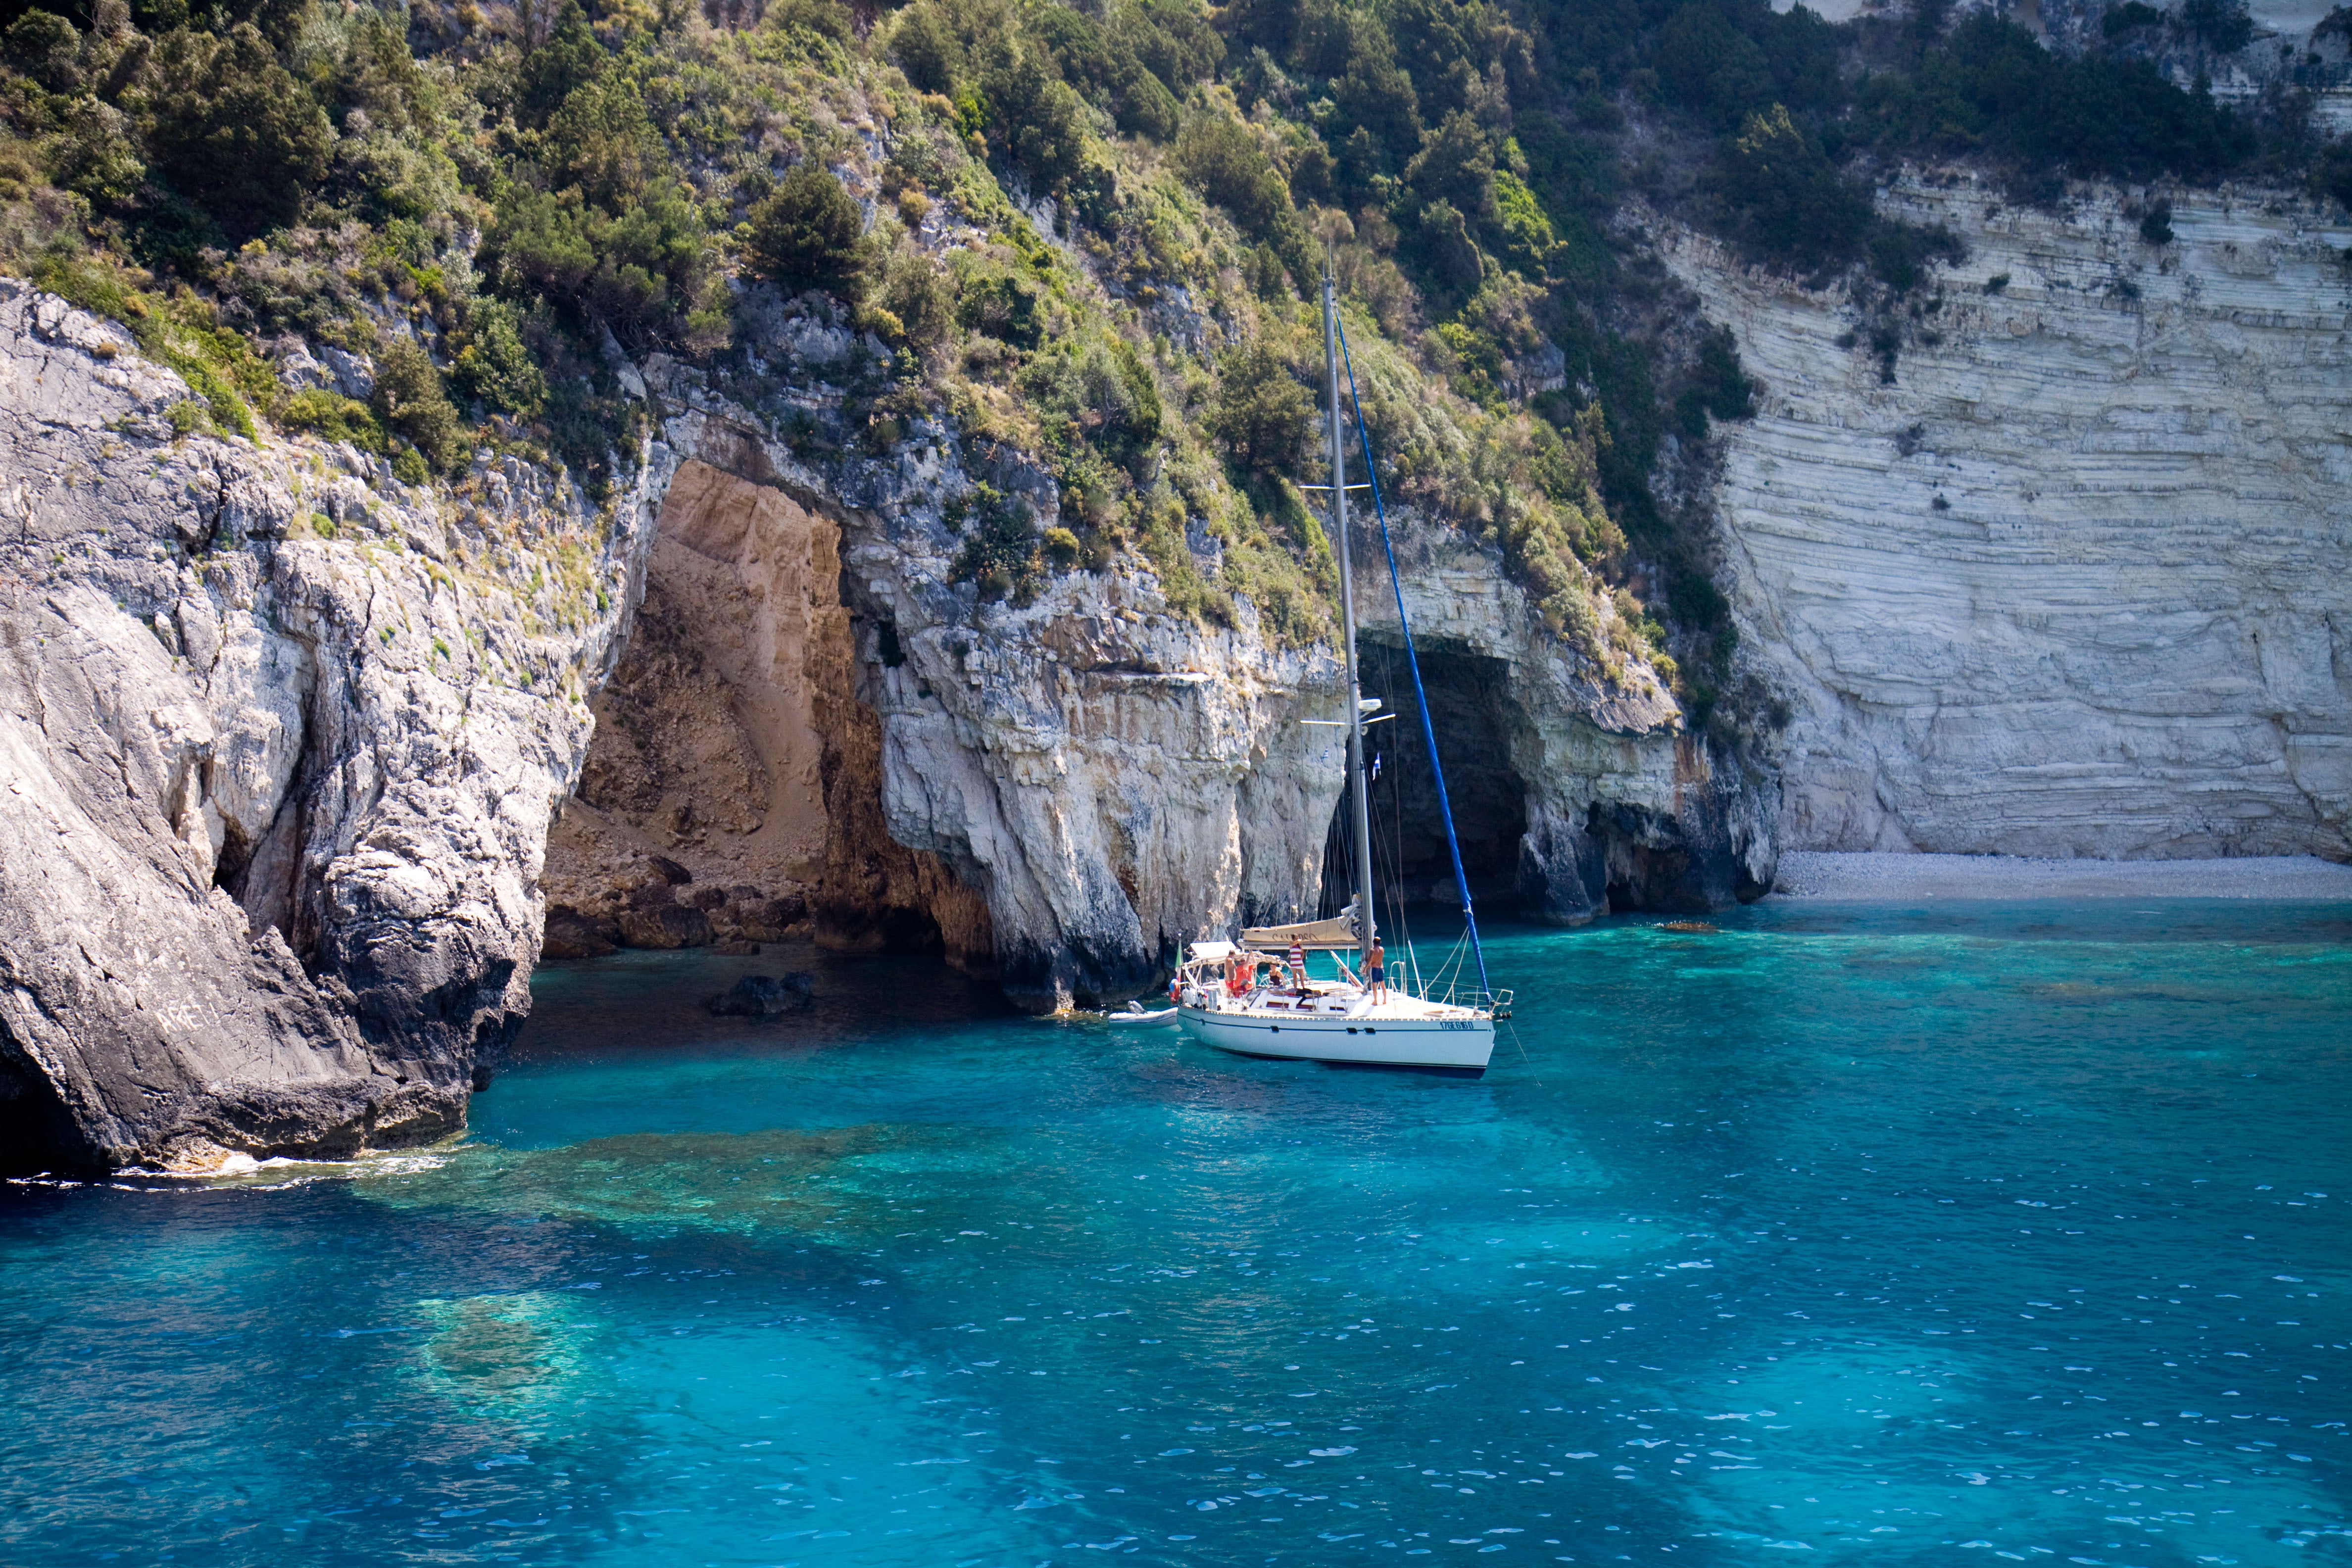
2078,579
283,740
733,789
1620,808
279,739
1084,782
1088,779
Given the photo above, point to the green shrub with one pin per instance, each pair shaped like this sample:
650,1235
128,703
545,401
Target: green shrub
915,292
2331,173
1718,386
1034,116
1900,252
818,19
1001,548
1779,198
1261,416
1444,252
1224,162
95,155
1992,87
1100,391
44,46
332,415
569,60
1174,39
2224,27
806,234
927,48
647,271
1711,67
233,131
1101,64
992,298
493,364
1457,164
97,284
1524,230
409,400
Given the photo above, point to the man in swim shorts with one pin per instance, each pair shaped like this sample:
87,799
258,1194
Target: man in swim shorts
1377,975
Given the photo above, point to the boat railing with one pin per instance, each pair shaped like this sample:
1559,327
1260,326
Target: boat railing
1472,996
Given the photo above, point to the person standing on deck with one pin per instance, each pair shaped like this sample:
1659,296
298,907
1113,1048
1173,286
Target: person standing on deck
1298,965
1376,974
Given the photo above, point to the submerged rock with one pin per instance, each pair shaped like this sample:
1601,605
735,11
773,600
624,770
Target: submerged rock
572,934
766,996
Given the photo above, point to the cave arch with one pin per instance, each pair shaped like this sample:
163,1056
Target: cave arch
732,792
37,1132
1472,715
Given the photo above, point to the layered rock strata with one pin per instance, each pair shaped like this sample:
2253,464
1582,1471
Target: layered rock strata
279,739
2077,579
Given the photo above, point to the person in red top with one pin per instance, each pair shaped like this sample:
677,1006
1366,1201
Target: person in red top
1298,965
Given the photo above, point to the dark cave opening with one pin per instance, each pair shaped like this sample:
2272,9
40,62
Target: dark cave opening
37,1132
1469,709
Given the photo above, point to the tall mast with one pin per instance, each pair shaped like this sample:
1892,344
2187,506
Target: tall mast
1360,806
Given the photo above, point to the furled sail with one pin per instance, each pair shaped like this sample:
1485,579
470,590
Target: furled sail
1337,934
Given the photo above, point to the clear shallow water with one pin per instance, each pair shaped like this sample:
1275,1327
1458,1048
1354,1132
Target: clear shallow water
1850,1234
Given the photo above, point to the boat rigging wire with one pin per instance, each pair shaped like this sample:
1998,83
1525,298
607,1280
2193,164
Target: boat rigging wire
1413,663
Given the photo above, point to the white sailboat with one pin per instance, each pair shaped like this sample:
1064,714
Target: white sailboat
1224,996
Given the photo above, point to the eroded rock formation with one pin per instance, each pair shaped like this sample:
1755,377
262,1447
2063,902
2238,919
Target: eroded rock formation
280,739
1620,808
1087,781
2077,580
284,738
733,791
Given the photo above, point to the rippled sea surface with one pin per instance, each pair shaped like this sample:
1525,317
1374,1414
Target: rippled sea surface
1993,1232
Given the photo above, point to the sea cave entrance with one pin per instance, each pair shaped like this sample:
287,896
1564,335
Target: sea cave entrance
1471,711
36,1131
731,793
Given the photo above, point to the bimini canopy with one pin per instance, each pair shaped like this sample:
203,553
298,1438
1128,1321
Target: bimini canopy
1336,935
1210,952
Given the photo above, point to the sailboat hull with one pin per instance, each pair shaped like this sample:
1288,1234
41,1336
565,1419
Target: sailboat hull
1458,1043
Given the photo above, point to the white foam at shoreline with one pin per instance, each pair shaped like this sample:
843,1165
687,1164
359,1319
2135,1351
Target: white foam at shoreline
1883,879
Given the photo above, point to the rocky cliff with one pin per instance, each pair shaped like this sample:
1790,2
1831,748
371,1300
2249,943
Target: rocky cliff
280,737
2054,557
285,737
1072,787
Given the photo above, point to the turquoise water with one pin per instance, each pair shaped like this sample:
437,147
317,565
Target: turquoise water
1844,1233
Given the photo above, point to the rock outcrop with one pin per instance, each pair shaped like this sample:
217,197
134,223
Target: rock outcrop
1092,779
1622,808
733,794
279,739
2077,580
284,738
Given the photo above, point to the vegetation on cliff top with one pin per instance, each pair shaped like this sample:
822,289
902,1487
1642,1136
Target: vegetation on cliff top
1087,233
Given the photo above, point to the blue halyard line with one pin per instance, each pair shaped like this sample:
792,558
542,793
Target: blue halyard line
1413,663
